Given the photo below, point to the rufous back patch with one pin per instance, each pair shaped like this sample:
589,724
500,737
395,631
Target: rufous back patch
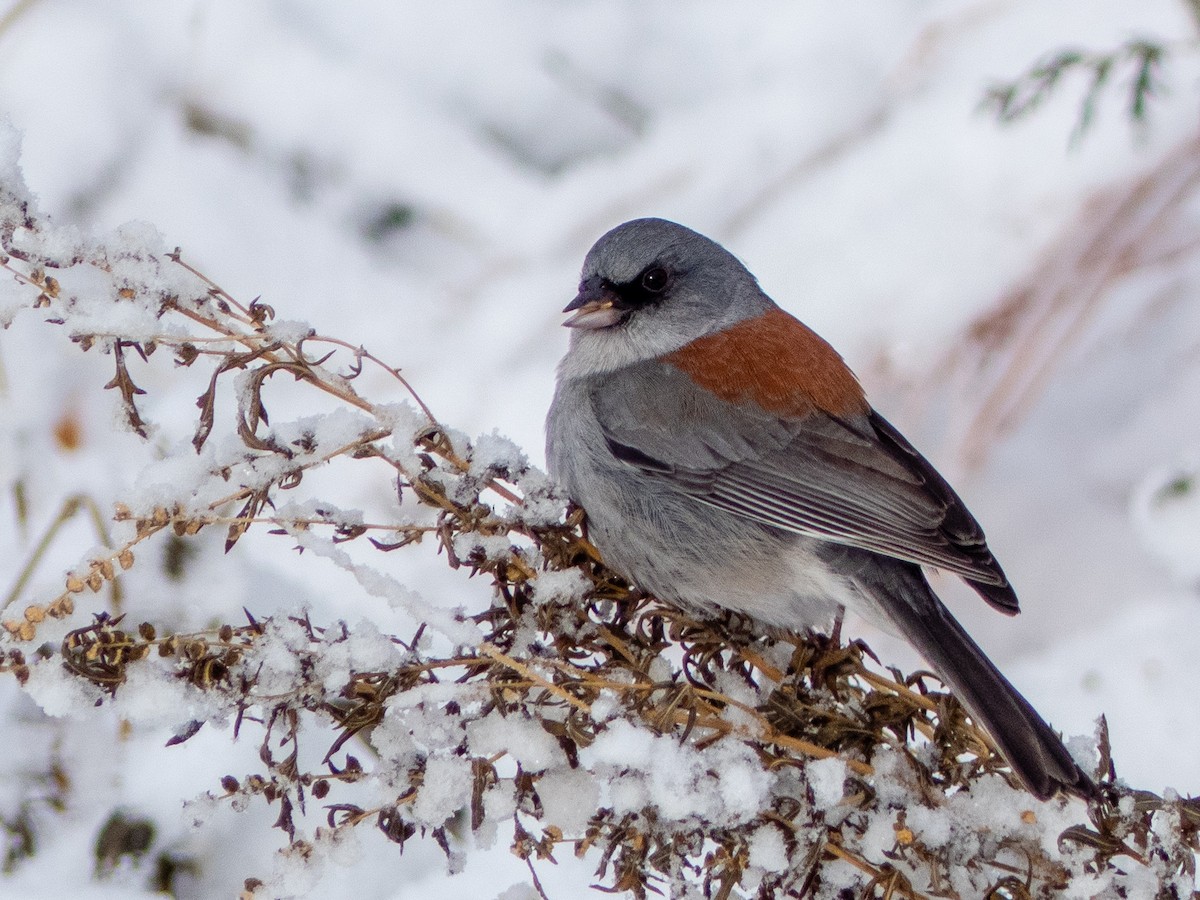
778,362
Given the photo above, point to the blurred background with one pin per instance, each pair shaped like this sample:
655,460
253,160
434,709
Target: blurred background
424,178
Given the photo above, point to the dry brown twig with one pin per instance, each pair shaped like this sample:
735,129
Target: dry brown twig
1012,354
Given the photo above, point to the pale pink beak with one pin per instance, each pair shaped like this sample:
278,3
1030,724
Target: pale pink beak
596,306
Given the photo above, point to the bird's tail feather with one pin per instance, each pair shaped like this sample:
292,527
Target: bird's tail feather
1029,745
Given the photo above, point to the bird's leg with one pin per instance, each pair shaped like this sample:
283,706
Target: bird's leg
835,634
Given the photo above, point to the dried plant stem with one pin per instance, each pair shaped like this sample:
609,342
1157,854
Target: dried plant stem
526,672
1012,354
70,508
878,876
18,9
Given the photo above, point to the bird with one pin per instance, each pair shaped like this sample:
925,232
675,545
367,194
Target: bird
726,457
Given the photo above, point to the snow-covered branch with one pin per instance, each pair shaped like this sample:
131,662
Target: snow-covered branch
684,757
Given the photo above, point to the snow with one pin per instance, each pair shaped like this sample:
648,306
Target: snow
568,798
58,694
767,849
444,790
518,892
525,741
560,585
1166,515
826,779
423,180
641,768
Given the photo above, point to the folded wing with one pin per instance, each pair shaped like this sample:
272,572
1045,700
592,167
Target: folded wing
852,480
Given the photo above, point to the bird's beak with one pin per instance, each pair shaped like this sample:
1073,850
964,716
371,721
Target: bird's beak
596,306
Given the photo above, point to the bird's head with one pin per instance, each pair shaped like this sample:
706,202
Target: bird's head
648,288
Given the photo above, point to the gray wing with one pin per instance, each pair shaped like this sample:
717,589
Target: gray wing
853,481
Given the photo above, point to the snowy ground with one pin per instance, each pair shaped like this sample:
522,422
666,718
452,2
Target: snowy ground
424,178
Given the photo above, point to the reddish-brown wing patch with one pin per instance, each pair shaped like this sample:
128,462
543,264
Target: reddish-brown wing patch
778,362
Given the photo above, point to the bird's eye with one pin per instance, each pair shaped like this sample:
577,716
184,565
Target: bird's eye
655,280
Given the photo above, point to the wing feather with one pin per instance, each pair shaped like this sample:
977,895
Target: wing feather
851,480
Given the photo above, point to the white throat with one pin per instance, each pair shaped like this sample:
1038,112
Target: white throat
609,349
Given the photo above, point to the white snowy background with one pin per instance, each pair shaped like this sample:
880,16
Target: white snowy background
424,178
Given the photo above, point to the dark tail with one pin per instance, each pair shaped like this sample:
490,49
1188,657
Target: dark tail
1033,750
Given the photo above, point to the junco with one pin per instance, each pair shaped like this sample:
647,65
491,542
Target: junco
726,456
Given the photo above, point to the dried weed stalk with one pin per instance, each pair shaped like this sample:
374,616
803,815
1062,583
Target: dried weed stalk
1011,354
